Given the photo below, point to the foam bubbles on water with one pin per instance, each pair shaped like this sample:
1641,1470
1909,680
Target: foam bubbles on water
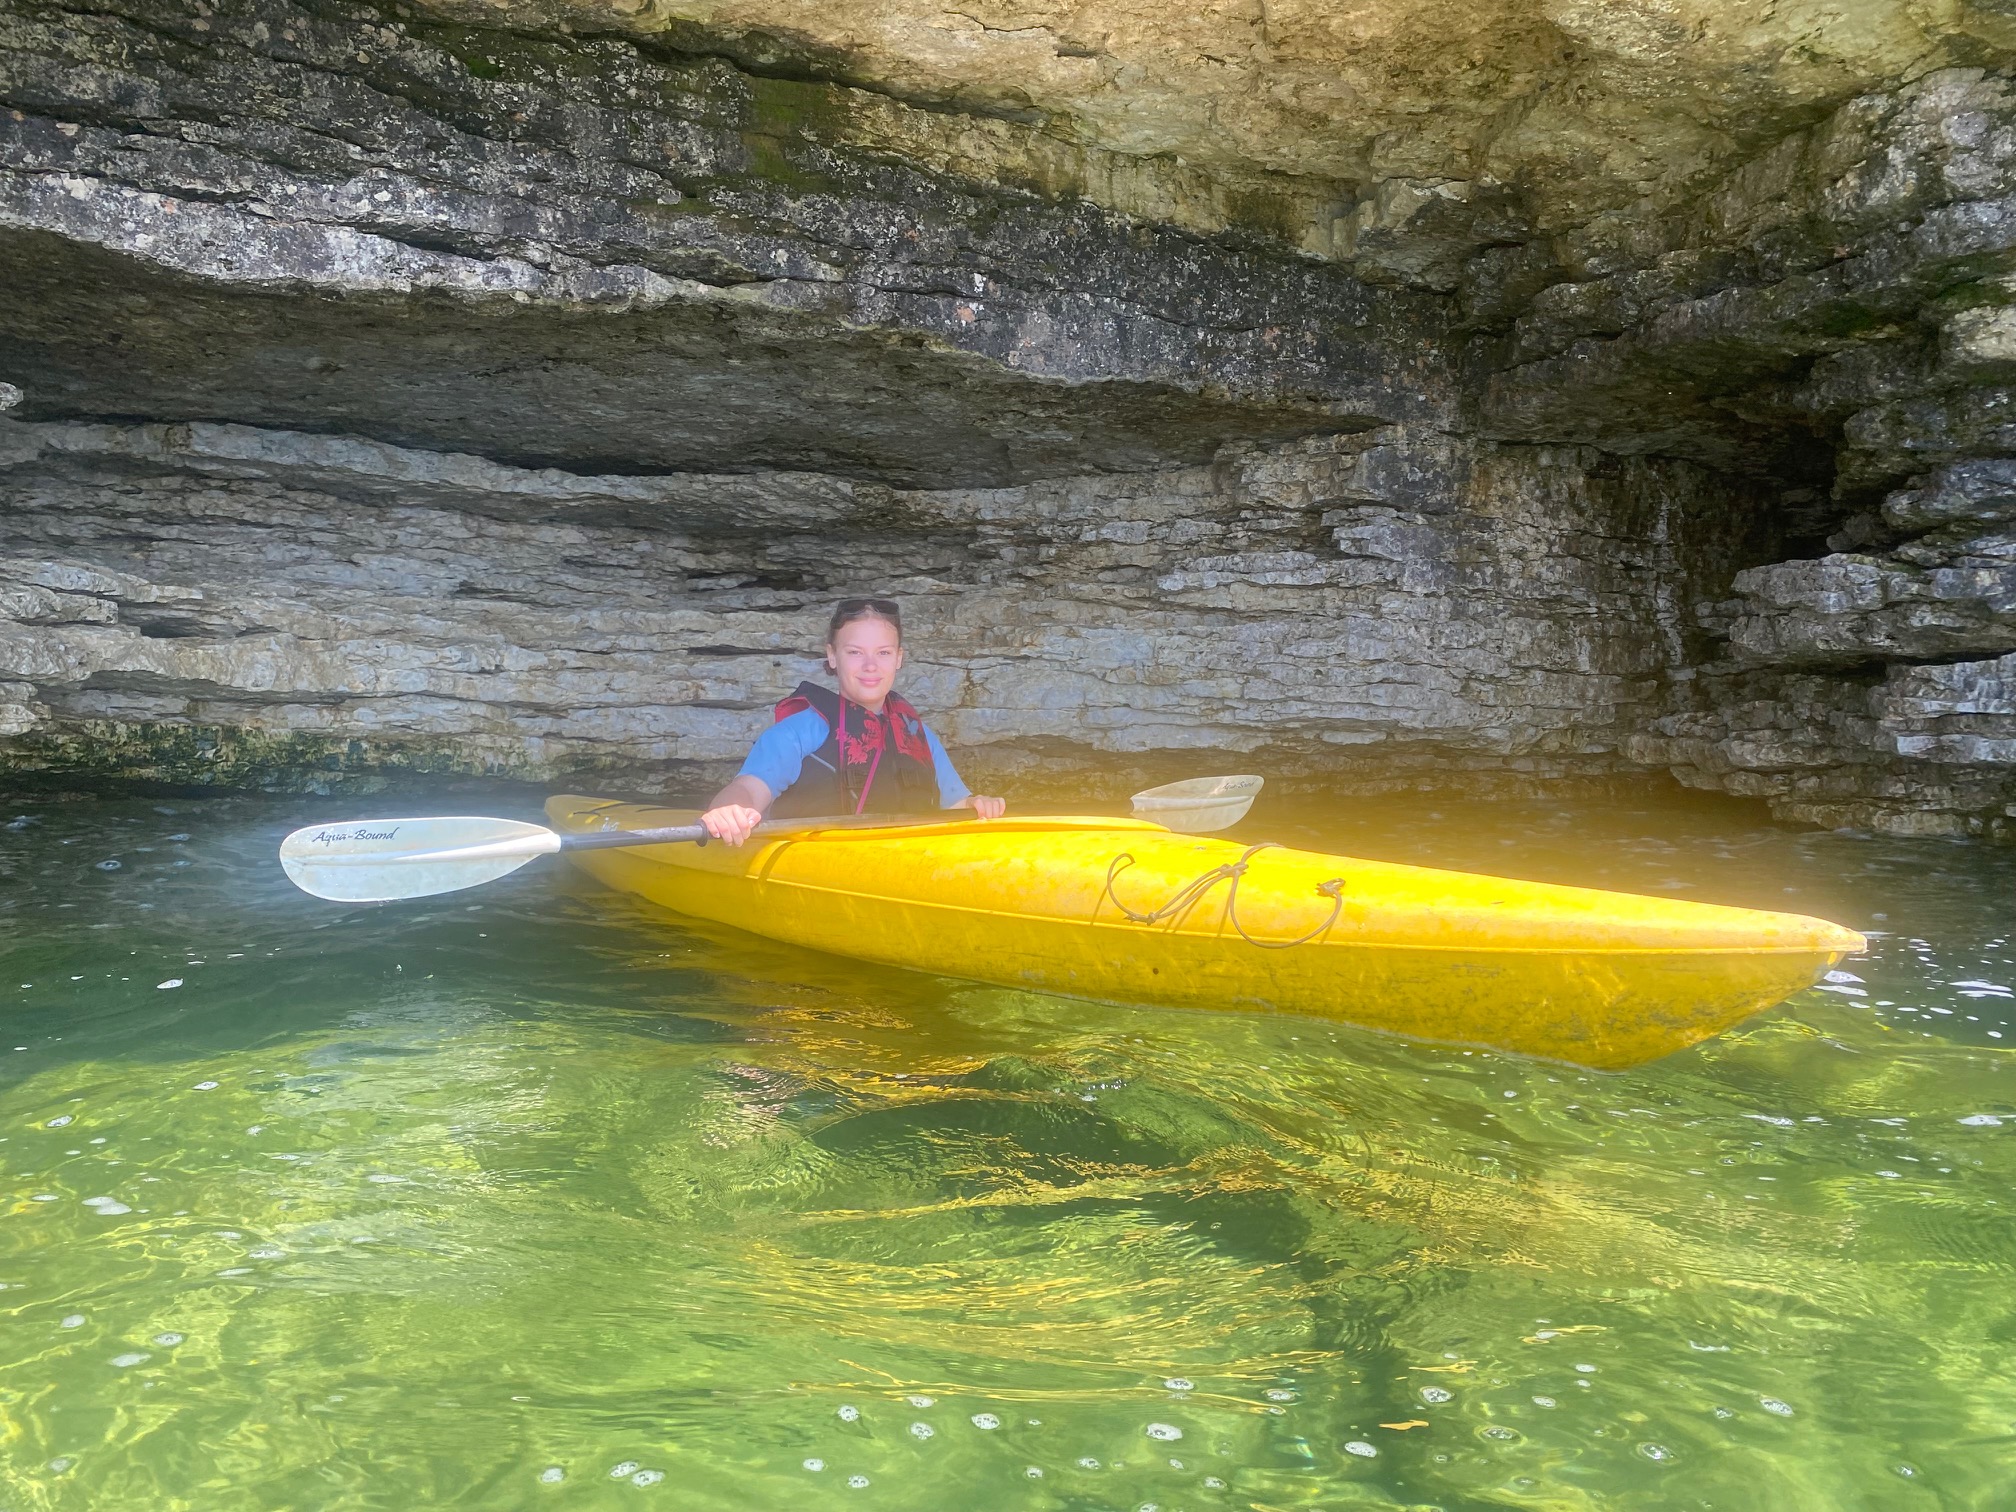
1180,1383
75,1320
1433,1394
849,1414
1167,1432
1773,1405
1277,1395
205,1086
921,1401
1539,1401
623,1470
128,1361
814,1465
1212,1483
62,1120
922,1431
172,982
858,1482
1088,1463
1982,1121
552,1475
1656,1452
986,1422
1034,1472
647,1477
1360,1448
107,1207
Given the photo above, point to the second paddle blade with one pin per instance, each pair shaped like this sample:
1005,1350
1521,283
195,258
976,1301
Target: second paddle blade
1199,805
377,860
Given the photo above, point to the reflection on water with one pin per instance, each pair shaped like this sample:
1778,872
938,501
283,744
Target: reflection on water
530,1197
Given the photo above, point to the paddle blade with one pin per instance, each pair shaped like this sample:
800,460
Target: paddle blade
1199,805
378,860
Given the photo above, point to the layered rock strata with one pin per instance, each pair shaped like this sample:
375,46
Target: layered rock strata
205,603
474,389
1437,127
575,251
1834,320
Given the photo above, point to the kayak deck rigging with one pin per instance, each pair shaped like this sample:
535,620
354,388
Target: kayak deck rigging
1230,872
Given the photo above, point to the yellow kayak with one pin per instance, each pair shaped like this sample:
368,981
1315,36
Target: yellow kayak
1126,911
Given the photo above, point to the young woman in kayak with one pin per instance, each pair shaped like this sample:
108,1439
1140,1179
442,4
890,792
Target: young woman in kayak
863,750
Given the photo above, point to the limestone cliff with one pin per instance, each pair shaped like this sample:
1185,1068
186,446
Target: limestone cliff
272,607
1381,393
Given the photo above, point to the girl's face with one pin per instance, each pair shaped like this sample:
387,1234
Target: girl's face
866,655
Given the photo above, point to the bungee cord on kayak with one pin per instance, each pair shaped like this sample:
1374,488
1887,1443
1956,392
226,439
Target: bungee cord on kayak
1234,872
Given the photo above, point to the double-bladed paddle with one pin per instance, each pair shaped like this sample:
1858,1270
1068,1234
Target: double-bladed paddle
381,860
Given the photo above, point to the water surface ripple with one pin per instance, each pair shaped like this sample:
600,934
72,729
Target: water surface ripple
530,1197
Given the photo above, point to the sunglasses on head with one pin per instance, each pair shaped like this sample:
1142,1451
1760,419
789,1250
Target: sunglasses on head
875,605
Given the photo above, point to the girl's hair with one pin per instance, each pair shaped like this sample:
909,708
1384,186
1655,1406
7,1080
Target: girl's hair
849,610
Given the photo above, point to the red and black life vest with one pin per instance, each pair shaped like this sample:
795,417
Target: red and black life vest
869,763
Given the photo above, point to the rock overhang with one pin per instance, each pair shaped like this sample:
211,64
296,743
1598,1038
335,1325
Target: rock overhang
677,380
1564,113
599,258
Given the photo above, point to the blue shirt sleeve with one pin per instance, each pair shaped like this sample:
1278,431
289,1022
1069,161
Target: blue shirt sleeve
778,755
950,788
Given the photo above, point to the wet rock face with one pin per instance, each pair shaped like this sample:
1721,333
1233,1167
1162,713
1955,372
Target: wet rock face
217,603
468,388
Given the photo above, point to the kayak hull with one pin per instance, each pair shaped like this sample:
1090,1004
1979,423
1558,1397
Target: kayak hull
1606,980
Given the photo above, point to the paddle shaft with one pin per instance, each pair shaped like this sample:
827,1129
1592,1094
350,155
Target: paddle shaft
671,834
680,834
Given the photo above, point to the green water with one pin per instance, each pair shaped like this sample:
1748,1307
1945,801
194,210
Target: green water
529,1198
